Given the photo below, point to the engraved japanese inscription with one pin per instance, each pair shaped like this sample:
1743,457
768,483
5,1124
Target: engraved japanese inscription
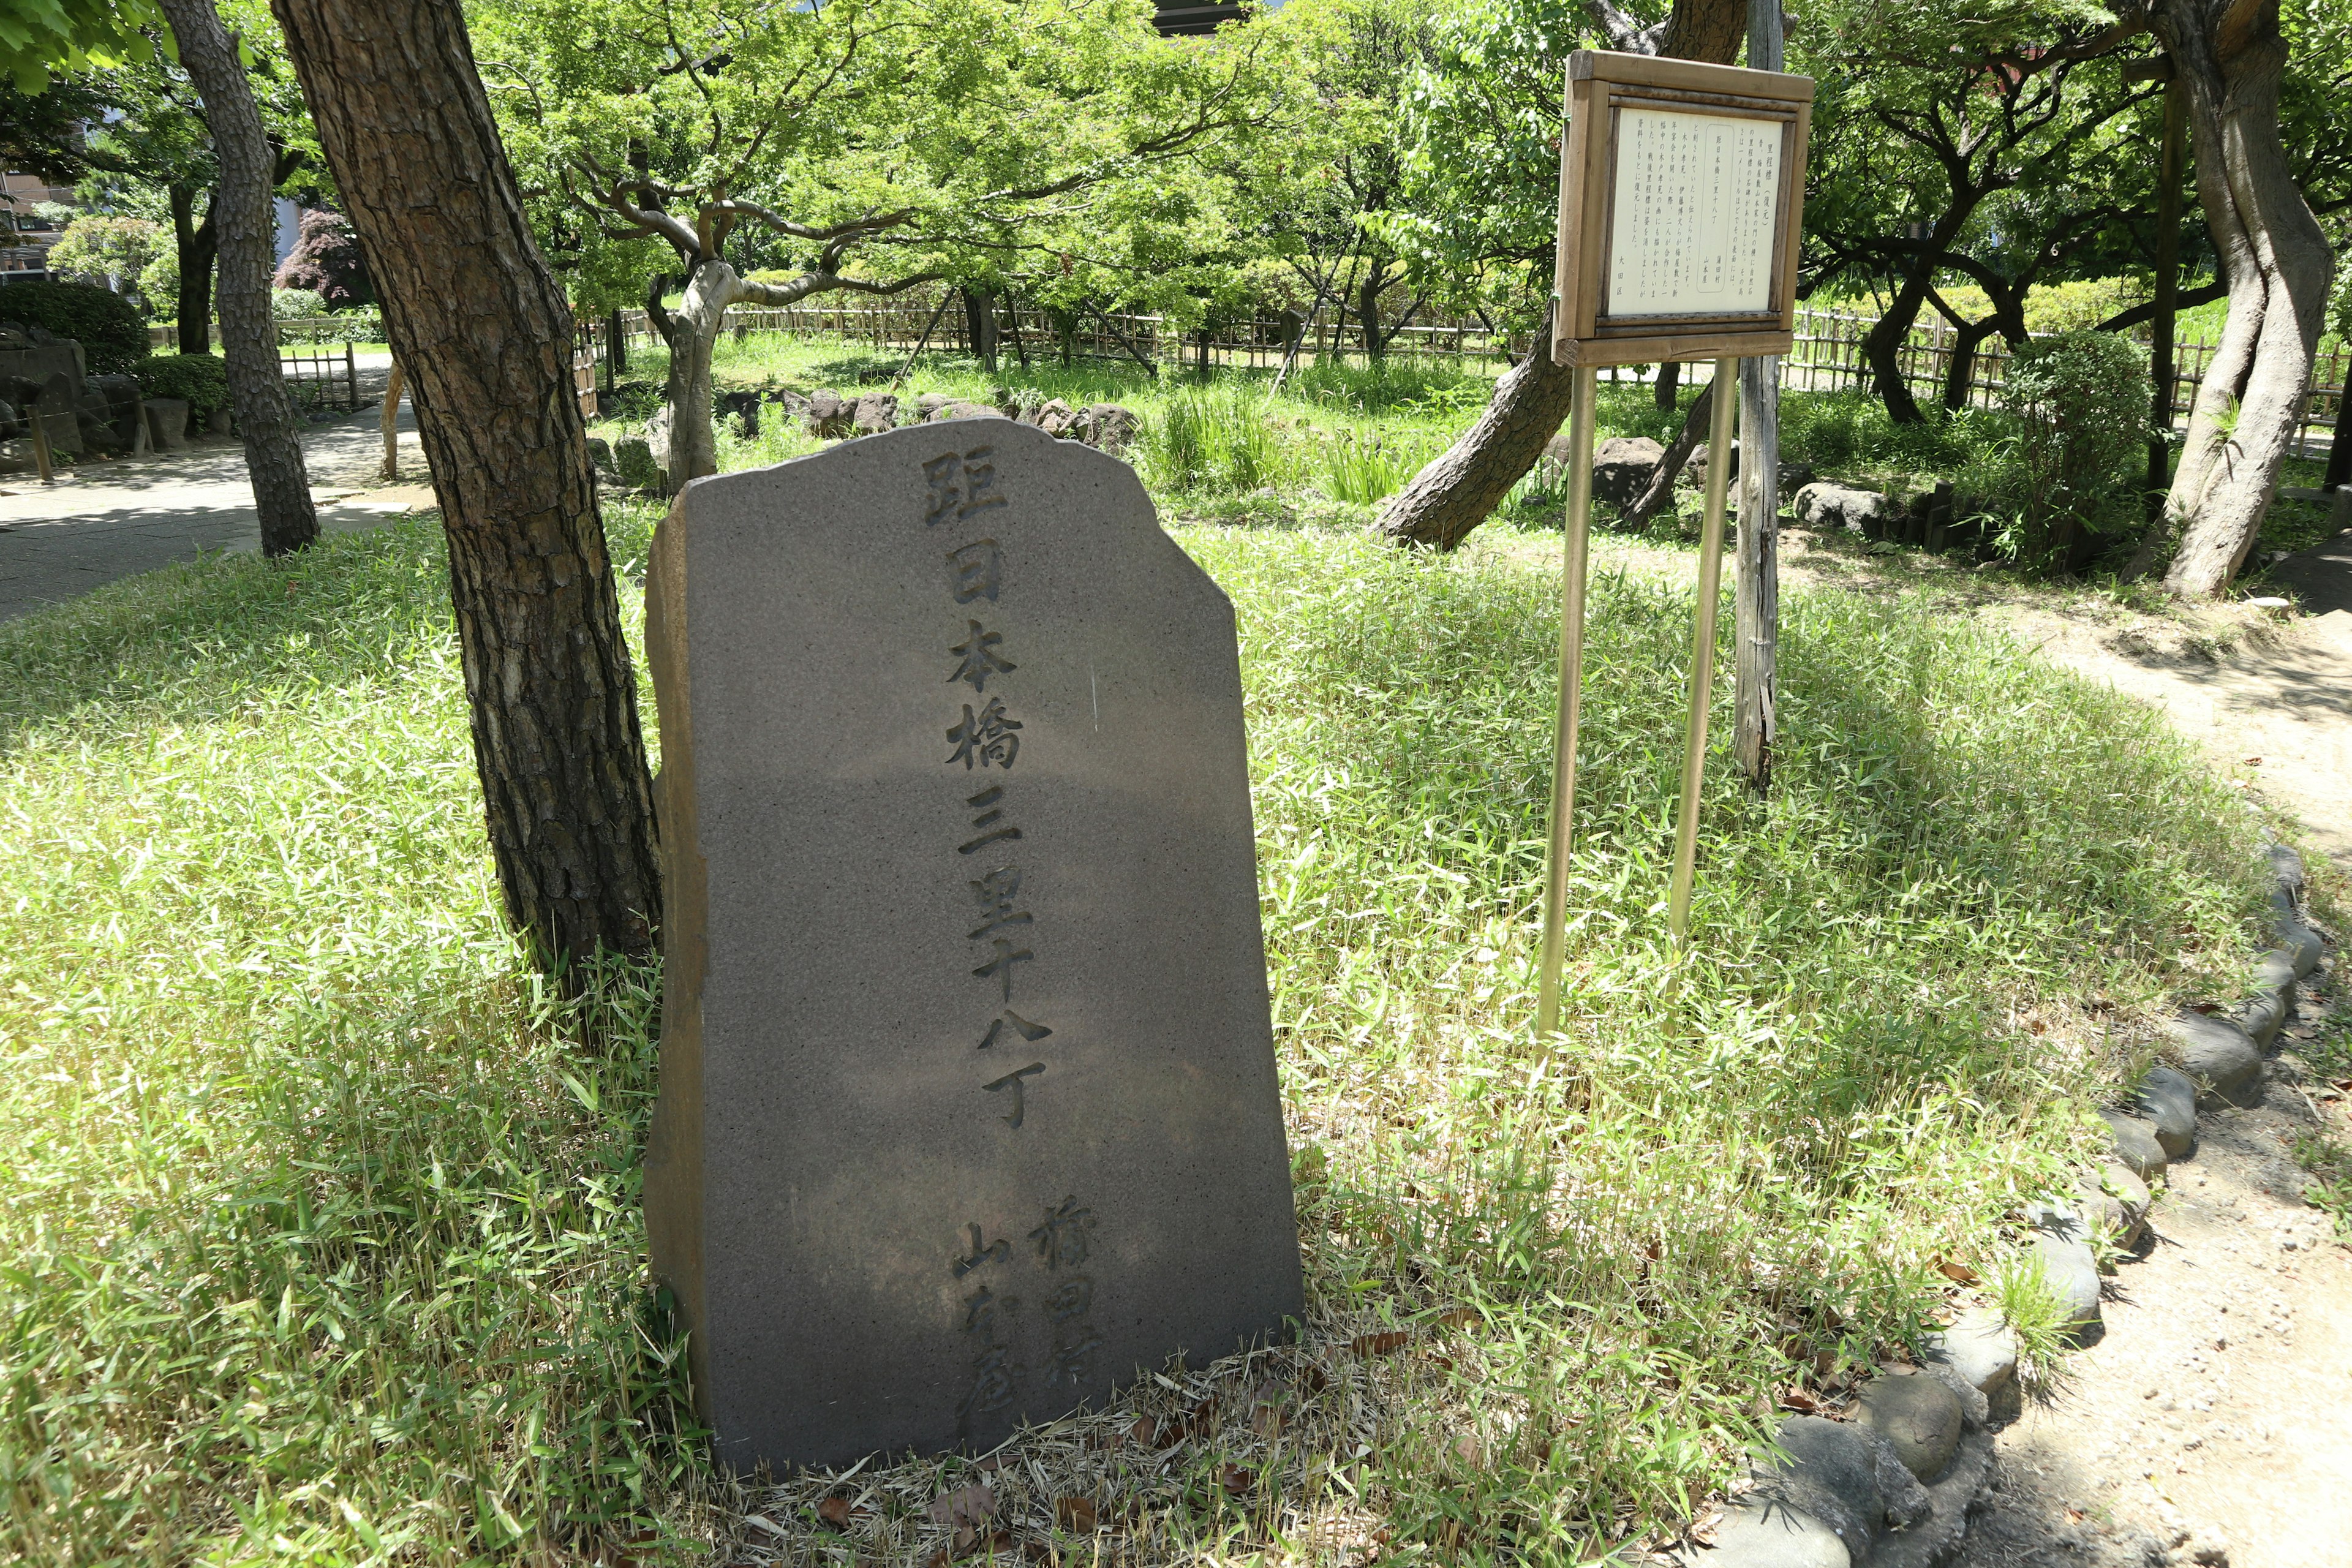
968,1110
1693,227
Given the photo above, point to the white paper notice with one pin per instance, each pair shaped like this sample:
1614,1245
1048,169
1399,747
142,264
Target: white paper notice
1692,231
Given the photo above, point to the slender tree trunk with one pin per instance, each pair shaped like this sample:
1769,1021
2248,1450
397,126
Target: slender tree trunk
694,332
1963,368
1668,385
980,319
2231,56
241,214
1367,312
2161,367
1461,487
1756,613
1660,490
195,243
481,330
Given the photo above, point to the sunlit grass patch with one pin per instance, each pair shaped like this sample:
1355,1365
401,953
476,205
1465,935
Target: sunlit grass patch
319,1215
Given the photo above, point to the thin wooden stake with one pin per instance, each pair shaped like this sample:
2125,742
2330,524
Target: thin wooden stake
1702,676
41,443
391,423
1572,699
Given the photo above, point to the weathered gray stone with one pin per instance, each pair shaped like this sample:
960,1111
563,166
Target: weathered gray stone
2219,1056
1844,1476
2169,1099
875,413
2060,1243
167,422
1918,1416
1056,418
633,457
1830,507
2136,1144
2261,1016
1108,427
1768,1533
961,408
217,423
1963,1488
829,418
1979,1347
931,403
2286,869
1622,466
2116,1200
2301,945
2275,970
966,997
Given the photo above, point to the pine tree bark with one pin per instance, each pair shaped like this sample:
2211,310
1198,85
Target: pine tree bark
2231,56
1755,587
242,217
484,337
1461,488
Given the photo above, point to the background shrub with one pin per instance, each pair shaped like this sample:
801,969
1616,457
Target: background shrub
296,304
112,336
199,379
326,261
2081,403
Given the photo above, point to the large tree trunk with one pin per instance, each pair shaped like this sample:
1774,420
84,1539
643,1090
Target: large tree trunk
195,243
2231,56
694,332
242,216
1460,488
482,331
2339,446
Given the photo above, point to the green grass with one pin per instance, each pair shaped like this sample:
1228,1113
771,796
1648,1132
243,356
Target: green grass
321,1241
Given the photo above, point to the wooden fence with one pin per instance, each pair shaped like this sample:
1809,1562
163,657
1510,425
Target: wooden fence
318,377
1828,354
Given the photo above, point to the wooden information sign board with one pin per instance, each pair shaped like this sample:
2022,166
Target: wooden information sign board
1681,197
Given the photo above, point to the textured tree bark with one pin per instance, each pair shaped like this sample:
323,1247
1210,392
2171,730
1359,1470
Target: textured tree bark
195,243
242,217
484,337
1667,390
2231,56
1461,488
1660,488
1755,586
2161,365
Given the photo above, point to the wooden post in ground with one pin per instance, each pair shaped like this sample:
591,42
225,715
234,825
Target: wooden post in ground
392,388
1572,699
1702,673
41,459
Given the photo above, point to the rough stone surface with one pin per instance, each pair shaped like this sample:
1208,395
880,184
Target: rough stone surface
2263,1016
2275,970
1056,418
1936,1539
2169,1100
2136,1144
2302,944
969,1109
961,408
167,422
2117,1200
2220,1058
828,418
1830,507
2286,868
1768,1533
2062,1242
1979,1347
1108,427
875,413
1844,1476
931,403
1622,466
1919,1417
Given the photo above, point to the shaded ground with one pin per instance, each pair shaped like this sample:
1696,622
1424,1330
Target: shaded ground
2212,1414
108,519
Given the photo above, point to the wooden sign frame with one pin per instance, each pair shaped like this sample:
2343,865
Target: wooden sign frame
1601,85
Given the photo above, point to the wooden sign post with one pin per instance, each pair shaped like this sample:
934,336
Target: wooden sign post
1681,195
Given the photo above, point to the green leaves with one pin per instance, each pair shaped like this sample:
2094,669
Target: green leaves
38,36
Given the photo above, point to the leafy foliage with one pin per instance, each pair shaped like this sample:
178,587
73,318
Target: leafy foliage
2081,402
199,380
112,334
326,261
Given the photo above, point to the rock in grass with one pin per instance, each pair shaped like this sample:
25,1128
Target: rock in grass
1056,418
1108,427
1847,1476
2062,1243
2136,1144
874,413
2301,945
2261,1016
2275,970
1830,507
633,458
1620,468
1979,1347
1763,1534
1918,1416
2118,1200
2286,869
2220,1056
2169,1100
961,408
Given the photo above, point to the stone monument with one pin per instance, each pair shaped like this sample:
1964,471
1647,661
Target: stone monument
967,1108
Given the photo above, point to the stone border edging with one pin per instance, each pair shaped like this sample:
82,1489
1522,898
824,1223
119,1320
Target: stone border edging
1895,1487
